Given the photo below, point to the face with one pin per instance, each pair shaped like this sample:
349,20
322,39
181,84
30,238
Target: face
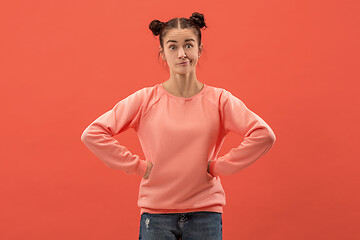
181,45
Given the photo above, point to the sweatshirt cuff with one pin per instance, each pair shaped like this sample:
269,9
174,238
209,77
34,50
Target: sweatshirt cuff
141,168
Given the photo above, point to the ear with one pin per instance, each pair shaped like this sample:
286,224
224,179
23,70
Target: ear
161,52
200,49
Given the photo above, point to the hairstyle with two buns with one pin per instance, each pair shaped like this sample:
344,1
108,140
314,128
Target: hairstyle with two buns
196,22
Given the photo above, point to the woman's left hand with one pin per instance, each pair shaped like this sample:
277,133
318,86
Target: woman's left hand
209,162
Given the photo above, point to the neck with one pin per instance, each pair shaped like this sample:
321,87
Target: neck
183,85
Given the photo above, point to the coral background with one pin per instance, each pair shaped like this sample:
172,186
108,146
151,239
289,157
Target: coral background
294,63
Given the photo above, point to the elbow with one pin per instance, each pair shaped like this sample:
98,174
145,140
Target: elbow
84,136
271,138
268,140
266,135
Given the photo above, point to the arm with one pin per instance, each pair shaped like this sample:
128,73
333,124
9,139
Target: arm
258,136
98,136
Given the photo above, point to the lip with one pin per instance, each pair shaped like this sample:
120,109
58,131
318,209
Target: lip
184,63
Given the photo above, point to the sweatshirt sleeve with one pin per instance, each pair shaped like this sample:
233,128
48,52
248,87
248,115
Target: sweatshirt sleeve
258,136
98,136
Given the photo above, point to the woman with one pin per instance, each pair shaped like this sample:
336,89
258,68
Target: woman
181,124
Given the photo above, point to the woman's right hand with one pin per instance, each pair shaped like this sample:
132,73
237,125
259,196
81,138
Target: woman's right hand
148,169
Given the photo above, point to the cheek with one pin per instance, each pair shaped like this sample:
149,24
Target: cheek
194,60
194,57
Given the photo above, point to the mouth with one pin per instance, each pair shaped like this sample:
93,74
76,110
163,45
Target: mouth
184,63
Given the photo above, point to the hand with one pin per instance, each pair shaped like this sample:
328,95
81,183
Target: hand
148,169
208,166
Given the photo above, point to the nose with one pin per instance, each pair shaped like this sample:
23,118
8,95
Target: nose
181,53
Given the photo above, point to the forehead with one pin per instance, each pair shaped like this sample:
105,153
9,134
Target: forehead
180,35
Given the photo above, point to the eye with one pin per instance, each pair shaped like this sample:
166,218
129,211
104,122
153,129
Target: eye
186,45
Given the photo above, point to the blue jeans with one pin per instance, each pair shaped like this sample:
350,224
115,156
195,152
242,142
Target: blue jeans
185,226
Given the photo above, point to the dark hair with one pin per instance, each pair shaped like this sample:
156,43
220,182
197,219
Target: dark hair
196,21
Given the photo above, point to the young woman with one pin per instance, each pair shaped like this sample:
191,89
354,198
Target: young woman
181,124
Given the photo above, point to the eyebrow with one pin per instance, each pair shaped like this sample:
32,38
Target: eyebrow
187,40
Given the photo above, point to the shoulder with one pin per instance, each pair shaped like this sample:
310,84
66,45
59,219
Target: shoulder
217,94
145,98
143,94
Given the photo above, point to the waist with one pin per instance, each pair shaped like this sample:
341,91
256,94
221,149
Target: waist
213,208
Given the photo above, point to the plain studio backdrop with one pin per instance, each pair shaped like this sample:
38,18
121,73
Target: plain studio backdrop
294,63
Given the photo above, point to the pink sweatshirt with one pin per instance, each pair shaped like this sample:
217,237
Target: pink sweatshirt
179,136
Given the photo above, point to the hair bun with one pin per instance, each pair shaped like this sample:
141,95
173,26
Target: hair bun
198,18
155,26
